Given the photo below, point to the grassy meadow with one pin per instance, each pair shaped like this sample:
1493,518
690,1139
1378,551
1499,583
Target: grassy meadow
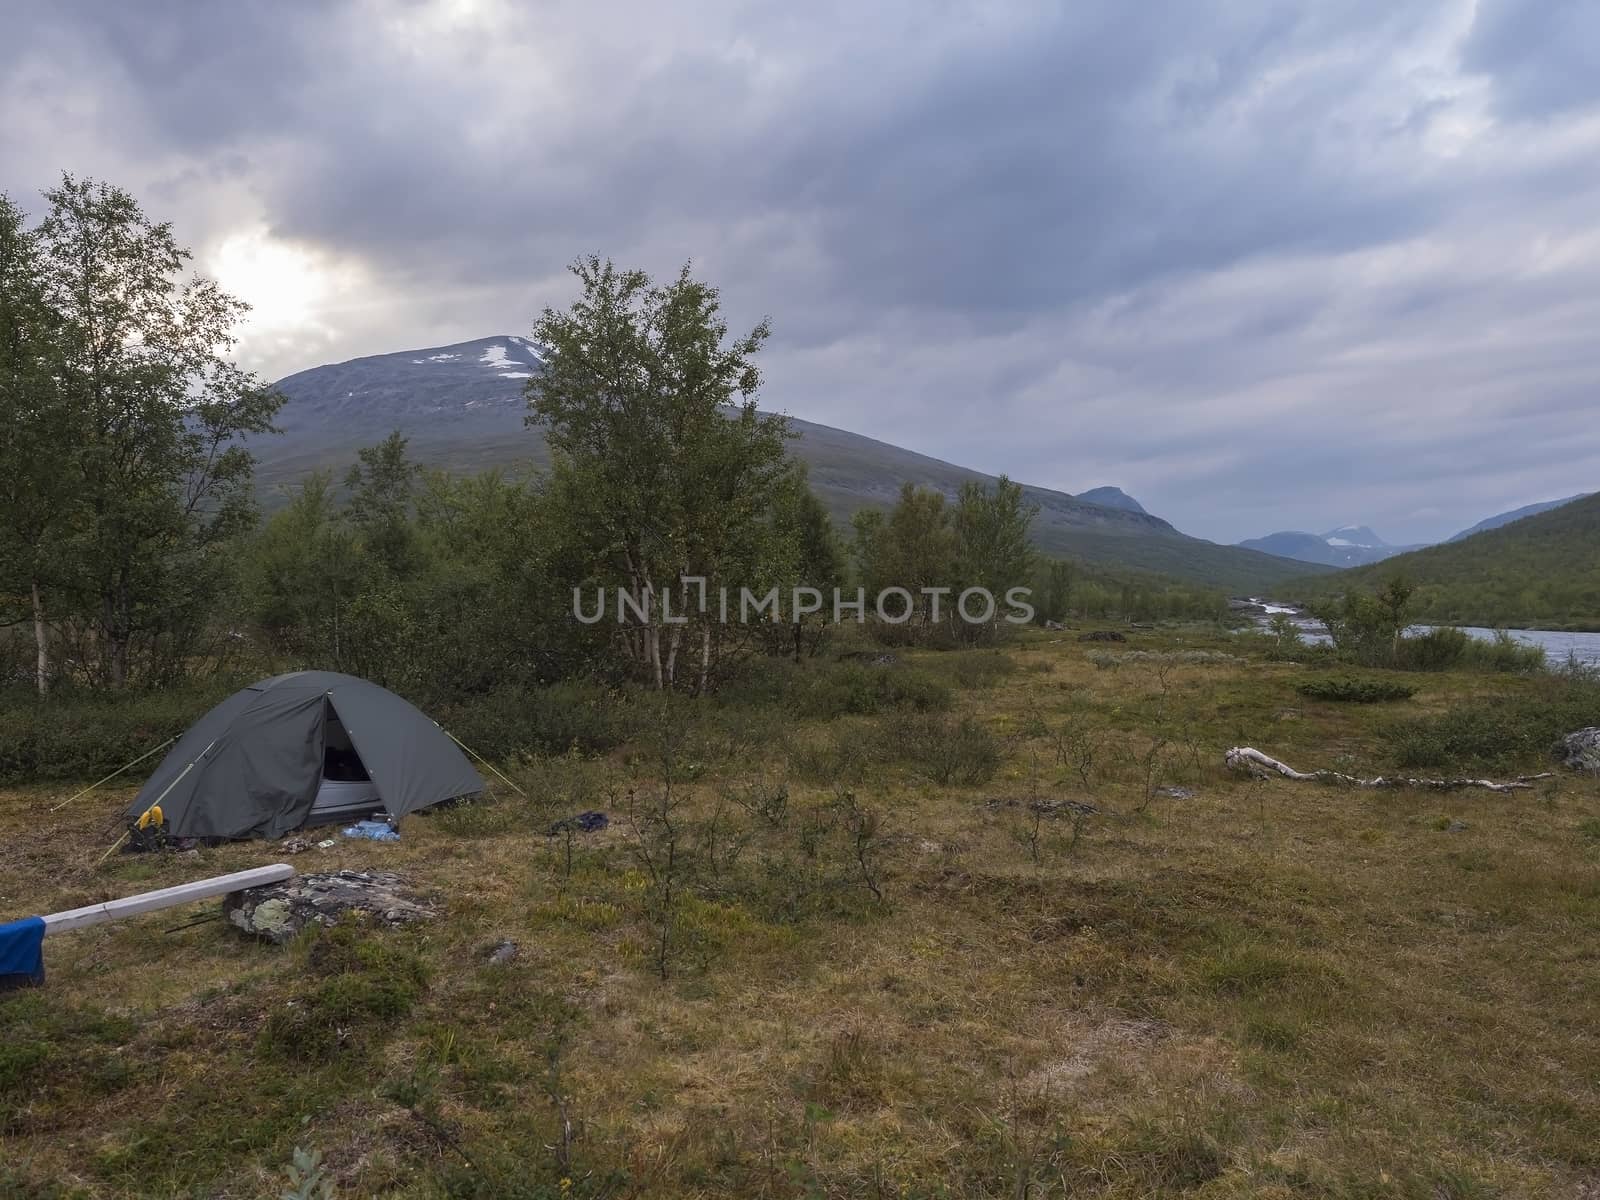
965,924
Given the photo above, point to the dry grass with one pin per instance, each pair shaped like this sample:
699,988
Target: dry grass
1267,989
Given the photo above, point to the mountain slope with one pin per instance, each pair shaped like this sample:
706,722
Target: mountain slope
1516,514
462,408
1541,571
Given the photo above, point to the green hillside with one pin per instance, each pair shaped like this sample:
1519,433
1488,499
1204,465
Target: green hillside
462,408
1540,572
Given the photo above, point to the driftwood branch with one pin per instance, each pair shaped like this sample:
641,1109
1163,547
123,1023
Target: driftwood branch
1253,762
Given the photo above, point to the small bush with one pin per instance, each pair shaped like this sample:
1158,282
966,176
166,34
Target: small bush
1437,650
513,721
1447,648
947,751
823,691
978,668
1508,731
83,735
842,758
360,979
1355,691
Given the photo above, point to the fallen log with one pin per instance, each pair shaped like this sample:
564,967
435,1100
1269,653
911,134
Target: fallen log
1253,762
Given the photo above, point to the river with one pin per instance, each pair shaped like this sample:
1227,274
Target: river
1558,645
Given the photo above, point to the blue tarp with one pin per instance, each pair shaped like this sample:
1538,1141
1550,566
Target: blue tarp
22,952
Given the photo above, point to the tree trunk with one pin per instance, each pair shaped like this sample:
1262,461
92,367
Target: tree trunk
705,659
41,643
117,634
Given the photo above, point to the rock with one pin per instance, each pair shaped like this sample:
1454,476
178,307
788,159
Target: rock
1580,750
1455,827
504,951
279,911
1177,793
1101,635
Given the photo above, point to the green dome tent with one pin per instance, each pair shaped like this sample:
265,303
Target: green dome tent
303,748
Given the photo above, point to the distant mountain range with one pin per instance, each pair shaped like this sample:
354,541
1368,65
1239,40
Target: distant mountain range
1347,546
1539,571
1516,514
1358,545
462,407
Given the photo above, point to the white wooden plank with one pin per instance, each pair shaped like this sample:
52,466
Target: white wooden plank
183,893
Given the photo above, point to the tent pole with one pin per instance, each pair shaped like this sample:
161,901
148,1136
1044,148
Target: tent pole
157,801
480,758
115,773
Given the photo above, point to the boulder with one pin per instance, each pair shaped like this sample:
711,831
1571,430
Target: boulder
1101,635
279,911
1580,750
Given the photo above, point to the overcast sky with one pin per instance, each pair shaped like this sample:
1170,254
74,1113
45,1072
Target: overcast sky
1263,265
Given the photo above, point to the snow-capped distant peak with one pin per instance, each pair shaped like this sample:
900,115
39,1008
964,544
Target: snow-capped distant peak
1354,535
530,346
497,358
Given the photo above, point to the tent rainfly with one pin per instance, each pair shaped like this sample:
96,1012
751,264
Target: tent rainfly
303,748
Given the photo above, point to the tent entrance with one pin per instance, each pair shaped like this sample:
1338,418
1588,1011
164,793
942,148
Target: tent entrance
346,791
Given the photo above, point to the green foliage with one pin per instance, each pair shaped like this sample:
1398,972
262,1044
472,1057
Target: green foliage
935,551
660,455
361,980
948,751
1509,731
515,720
308,1179
1348,690
132,419
826,690
1447,648
1367,628
80,734
55,1053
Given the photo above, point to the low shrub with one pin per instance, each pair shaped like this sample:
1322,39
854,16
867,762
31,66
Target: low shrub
54,1052
1355,691
80,735
361,979
1448,648
977,668
947,751
1505,732
513,721
825,690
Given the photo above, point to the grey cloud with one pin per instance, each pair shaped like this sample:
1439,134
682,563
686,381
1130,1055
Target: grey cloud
1544,55
1173,246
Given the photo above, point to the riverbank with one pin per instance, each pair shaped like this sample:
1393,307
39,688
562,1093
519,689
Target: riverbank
1560,644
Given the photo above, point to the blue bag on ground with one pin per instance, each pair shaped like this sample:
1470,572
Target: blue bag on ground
377,831
22,953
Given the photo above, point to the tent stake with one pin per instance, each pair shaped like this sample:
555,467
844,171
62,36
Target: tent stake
481,759
115,773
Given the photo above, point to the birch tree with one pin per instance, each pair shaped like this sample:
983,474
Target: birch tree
37,441
661,457
159,473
